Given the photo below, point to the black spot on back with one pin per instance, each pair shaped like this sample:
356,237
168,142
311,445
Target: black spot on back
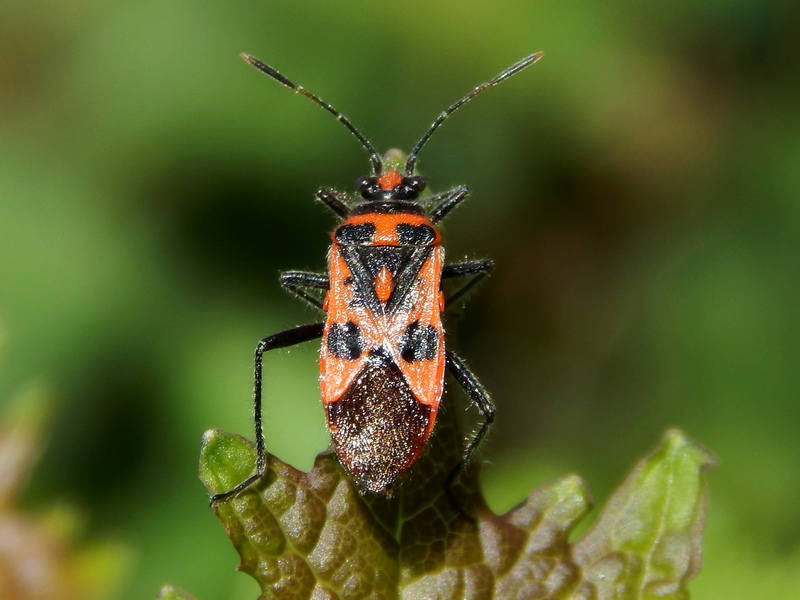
415,235
345,341
419,342
355,234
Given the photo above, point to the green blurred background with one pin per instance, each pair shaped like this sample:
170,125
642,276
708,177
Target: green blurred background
639,189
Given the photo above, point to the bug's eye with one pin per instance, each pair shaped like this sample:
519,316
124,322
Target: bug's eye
368,187
417,183
409,189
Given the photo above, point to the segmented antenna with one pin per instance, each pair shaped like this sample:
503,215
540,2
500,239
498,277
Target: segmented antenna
377,163
512,70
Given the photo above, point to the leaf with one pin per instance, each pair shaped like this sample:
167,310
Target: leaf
647,541
313,535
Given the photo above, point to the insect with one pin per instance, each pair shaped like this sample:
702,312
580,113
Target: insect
383,356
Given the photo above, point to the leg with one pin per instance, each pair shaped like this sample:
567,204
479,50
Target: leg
298,282
474,269
445,202
290,337
480,398
338,203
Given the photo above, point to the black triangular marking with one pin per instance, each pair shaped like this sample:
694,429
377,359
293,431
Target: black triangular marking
404,263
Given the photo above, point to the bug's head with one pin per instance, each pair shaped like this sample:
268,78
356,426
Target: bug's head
391,186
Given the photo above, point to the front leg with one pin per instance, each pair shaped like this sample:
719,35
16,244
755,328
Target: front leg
290,337
444,202
336,201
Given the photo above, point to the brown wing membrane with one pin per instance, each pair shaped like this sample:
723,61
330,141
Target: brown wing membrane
378,426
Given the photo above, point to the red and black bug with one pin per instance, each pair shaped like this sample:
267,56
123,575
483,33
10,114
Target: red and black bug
383,356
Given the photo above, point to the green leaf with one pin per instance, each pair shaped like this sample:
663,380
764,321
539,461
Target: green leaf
313,535
647,542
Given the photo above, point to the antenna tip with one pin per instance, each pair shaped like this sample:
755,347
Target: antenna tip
247,57
529,60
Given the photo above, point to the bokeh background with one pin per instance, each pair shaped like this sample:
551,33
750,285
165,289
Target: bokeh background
639,189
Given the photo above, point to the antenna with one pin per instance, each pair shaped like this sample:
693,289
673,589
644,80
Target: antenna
512,70
377,163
